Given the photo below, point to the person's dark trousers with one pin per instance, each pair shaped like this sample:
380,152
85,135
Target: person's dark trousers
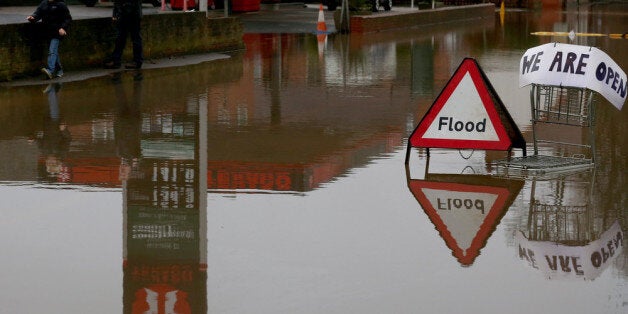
126,27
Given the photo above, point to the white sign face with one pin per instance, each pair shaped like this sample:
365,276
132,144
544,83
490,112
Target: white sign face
462,212
463,116
574,66
556,260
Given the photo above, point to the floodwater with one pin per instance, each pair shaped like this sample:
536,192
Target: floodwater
273,181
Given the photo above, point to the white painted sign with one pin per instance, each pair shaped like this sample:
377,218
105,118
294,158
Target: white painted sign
463,122
559,261
567,65
467,114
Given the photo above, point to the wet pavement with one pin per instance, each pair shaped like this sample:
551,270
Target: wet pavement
284,18
276,18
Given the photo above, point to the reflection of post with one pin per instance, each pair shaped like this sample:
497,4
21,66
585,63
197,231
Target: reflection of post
275,89
345,24
202,182
345,44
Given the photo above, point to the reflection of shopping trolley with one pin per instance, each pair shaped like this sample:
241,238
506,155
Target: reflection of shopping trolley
565,235
562,130
565,214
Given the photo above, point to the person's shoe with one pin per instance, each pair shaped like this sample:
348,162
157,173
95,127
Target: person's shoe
133,65
59,74
47,73
112,65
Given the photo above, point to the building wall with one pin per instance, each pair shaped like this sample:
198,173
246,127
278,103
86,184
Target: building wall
23,50
374,23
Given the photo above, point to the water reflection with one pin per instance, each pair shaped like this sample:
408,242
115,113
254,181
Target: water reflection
566,236
561,230
464,208
128,126
54,140
278,117
164,205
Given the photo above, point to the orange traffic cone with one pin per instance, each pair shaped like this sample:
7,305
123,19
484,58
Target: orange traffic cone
321,27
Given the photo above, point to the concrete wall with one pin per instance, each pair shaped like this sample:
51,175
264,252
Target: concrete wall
23,51
378,22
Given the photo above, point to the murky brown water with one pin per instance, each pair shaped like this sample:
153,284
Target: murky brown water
274,182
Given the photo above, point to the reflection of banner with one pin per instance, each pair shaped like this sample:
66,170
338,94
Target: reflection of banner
574,66
561,261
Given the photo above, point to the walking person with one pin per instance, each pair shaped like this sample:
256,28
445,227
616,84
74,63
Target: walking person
56,18
127,14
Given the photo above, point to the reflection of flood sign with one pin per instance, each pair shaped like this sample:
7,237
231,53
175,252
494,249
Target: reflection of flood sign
567,65
467,114
465,214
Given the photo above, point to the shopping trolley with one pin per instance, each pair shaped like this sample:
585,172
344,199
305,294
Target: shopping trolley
563,126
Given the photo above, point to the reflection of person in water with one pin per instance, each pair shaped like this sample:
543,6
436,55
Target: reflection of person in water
128,127
54,141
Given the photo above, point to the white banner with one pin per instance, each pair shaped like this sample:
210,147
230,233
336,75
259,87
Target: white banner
574,66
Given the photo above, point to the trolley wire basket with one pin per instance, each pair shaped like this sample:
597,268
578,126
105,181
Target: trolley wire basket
562,120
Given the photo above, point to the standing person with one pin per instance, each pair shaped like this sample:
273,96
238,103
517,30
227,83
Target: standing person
127,14
56,18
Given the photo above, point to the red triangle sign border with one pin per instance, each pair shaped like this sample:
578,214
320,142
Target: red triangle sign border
487,96
465,256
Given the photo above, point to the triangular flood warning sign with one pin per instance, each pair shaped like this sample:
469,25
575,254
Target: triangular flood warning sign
467,114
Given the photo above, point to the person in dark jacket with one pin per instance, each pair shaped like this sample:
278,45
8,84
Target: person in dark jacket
56,18
128,16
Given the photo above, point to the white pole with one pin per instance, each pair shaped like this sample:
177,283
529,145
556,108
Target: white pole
202,6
